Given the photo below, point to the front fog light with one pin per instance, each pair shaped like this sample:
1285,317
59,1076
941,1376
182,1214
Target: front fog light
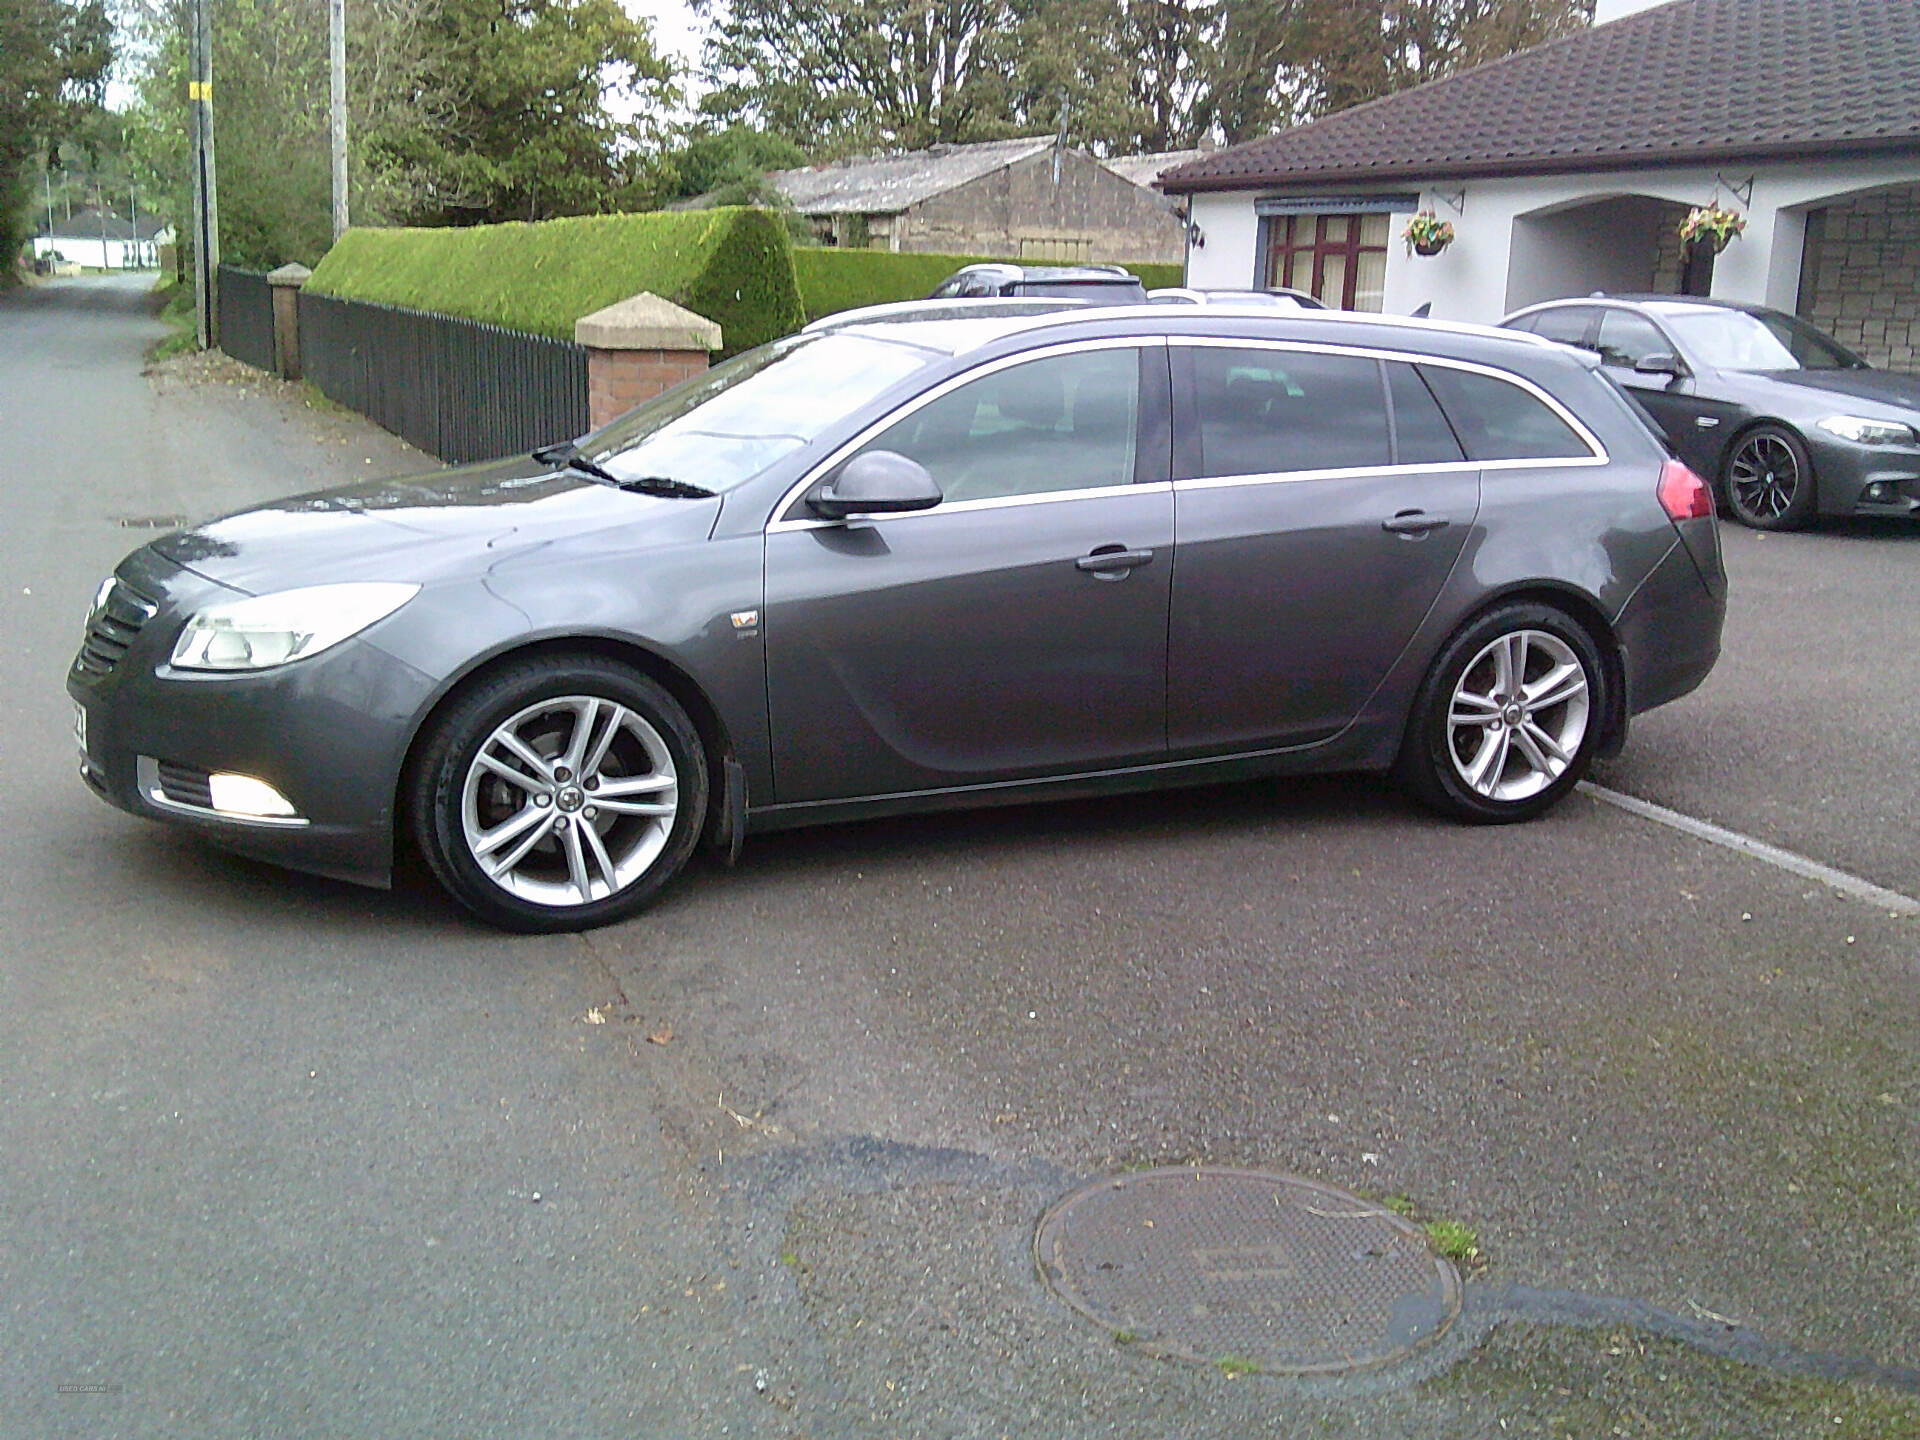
244,795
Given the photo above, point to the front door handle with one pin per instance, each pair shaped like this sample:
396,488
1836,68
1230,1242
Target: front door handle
1414,523
1113,562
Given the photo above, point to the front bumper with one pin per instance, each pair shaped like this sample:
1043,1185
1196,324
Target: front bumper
329,733
1865,479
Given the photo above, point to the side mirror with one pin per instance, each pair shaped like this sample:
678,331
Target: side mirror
878,482
1659,363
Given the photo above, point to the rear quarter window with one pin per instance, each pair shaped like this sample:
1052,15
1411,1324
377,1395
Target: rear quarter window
1498,420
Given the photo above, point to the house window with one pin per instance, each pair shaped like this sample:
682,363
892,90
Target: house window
1340,259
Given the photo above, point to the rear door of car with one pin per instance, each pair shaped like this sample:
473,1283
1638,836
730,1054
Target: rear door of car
1320,501
1018,628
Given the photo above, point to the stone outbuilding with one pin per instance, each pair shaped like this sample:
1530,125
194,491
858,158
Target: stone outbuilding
1568,169
1027,199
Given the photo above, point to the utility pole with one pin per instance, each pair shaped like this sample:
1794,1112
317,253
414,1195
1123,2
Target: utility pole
337,57
46,175
206,209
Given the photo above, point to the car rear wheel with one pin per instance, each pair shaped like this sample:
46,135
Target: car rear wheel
1509,717
1769,480
561,794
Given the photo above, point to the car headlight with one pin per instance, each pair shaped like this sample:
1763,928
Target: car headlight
289,625
1862,431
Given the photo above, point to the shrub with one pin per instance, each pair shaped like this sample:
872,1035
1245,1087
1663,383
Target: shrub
734,266
835,280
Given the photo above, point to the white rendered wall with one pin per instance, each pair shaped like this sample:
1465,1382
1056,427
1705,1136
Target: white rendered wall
1480,277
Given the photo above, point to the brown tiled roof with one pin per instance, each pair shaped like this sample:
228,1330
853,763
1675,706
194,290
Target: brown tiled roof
1691,81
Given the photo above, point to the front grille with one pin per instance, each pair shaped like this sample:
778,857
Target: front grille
185,785
112,629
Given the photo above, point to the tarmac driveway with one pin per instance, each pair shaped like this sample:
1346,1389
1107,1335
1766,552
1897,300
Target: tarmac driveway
287,1157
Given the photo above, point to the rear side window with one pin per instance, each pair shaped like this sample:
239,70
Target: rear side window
1266,411
1568,324
1497,420
1421,432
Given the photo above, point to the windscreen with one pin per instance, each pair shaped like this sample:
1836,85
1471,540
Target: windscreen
1738,340
741,416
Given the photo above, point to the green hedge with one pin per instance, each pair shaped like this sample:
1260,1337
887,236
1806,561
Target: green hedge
834,280
733,265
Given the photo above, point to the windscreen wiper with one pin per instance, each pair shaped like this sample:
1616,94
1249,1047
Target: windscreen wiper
569,456
666,485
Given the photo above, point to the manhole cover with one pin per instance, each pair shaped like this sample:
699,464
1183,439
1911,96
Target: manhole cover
1244,1269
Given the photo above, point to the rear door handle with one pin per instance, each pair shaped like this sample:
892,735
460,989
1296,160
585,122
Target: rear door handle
1112,562
1414,523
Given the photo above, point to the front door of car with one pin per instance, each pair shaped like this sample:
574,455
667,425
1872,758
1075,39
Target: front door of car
1695,426
1016,629
1316,527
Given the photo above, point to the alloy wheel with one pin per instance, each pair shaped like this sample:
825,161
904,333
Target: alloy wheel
569,801
1763,478
1518,715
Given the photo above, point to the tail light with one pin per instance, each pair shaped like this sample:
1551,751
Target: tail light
1683,494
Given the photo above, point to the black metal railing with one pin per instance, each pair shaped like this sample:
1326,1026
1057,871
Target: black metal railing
246,316
458,389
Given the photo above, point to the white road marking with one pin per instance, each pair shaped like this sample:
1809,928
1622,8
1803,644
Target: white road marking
1892,901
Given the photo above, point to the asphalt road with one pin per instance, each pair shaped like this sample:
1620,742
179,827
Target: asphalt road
284,1157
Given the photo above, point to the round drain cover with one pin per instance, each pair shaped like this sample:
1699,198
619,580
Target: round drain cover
1240,1268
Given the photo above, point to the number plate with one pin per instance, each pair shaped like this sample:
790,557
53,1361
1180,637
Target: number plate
80,727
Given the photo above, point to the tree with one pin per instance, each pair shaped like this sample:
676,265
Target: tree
840,76
730,162
54,58
270,116
524,130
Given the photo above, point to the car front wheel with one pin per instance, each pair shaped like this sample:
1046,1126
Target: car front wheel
1509,717
1769,480
562,793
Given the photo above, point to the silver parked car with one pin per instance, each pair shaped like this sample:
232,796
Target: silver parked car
917,564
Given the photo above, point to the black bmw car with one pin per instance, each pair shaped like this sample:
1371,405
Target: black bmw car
1785,422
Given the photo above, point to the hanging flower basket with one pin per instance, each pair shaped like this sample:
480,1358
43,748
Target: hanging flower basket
1711,228
1427,234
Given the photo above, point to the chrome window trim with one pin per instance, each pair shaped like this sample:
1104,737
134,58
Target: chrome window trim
1597,453
778,525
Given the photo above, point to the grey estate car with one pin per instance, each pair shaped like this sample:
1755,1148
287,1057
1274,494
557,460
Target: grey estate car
905,566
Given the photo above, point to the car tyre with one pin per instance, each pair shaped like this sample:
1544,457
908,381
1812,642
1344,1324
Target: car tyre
560,793
1481,748
1768,479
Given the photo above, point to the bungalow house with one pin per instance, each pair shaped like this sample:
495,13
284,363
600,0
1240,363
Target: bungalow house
1569,168
1017,198
101,240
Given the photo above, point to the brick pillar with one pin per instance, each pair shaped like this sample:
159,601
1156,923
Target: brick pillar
286,283
638,349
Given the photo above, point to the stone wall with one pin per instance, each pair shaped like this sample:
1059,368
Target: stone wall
1092,214
1866,275
1669,257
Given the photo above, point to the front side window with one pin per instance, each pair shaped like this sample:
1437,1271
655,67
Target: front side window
1263,412
1497,420
1062,422
1625,339
1341,260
